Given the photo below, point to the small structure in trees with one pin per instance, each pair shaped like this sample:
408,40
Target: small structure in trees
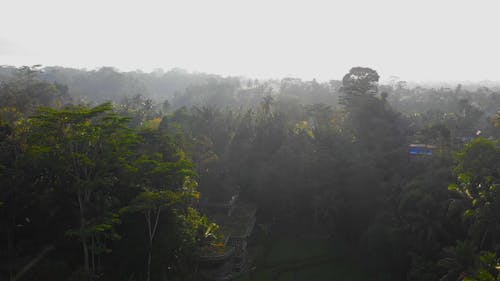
421,149
228,258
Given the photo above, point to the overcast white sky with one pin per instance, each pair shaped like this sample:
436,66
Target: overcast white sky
415,40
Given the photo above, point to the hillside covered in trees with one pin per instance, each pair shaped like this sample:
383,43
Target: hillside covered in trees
104,175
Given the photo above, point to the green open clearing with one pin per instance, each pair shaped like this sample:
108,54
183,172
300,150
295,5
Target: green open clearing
304,259
337,271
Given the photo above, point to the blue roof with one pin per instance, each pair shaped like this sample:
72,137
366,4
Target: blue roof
420,151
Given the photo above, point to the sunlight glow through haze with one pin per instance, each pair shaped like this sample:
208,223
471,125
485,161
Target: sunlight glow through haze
415,40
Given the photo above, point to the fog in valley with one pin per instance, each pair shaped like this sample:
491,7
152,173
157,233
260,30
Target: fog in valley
249,140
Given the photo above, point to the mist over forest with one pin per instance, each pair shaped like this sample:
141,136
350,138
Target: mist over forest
177,175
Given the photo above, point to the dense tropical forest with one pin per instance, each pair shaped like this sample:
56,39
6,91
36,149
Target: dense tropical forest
103,175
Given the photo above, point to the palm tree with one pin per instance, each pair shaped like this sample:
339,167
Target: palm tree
460,261
496,119
266,103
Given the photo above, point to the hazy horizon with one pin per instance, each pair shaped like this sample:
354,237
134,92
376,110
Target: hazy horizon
425,41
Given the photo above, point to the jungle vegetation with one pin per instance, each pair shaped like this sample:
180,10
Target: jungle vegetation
101,171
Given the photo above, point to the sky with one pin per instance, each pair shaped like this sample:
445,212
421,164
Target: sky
418,40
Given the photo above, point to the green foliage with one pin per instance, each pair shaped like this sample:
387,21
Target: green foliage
477,181
115,187
488,268
459,261
361,80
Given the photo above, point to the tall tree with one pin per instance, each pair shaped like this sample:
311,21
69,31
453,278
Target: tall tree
80,151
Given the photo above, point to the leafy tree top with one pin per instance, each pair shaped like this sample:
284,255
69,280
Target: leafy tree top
360,80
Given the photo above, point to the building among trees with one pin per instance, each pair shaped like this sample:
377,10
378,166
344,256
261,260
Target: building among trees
228,258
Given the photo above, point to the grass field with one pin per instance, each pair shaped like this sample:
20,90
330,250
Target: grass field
334,271
299,259
296,249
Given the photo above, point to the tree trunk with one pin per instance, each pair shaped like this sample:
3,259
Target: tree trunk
10,250
85,248
32,263
150,245
92,250
151,231
148,276
483,240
